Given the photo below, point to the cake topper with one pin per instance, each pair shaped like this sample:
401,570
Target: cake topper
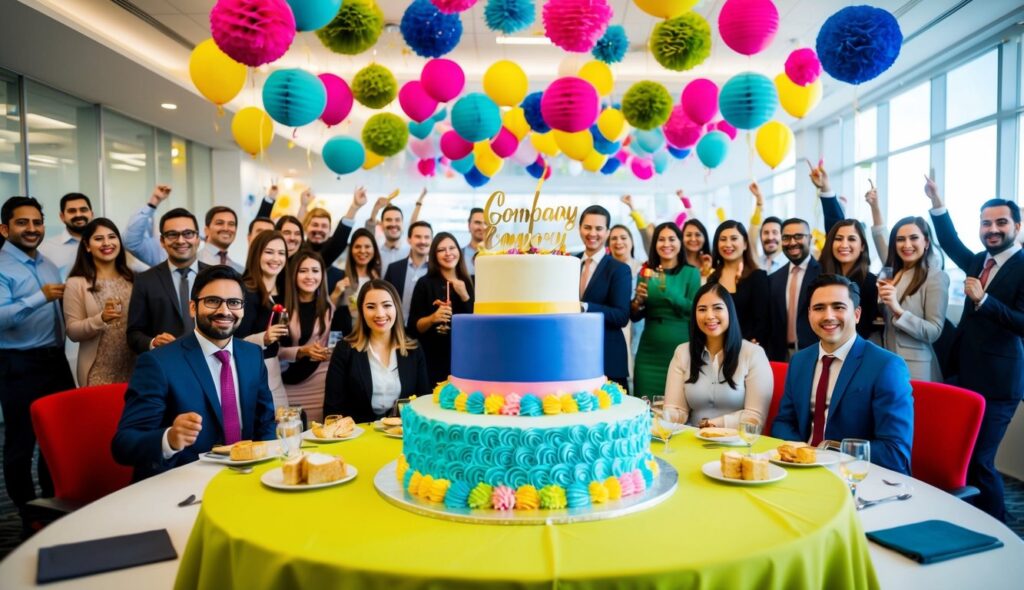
530,241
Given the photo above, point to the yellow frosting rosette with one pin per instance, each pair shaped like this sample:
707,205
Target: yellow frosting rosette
460,401
423,490
493,404
614,488
401,467
527,498
414,482
552,405
604,401
569,405
438,490
598,492
437,391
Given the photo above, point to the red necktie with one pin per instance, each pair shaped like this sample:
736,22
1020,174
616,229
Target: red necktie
820,395
985,272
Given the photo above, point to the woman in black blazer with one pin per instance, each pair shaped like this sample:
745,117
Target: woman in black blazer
846,253
736,270
377,364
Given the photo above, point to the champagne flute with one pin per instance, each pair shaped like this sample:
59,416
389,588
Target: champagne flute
749,431
854,460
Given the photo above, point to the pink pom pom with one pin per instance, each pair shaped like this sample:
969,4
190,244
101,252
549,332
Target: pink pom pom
504,144
512,405
576,25
339,99
803,66
681,219
442,79
454,147
252,32
416,102
642,168
748,26
639,485
570,104
626,483
427,167
453,6
726,128
700,100
679,130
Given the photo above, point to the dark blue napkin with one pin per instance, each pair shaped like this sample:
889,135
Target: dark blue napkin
74,560
932,541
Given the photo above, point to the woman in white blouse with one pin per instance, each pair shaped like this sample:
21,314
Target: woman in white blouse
717,378
376,364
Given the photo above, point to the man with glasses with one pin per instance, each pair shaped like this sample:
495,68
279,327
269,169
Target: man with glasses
790,294
203,389
158,312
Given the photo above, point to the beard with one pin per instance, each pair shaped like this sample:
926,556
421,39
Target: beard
76,224
1006,242
206,326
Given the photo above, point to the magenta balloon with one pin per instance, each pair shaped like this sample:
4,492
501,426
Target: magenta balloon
622,156
642,168
427,167
679,130
505,143
700,100
416,102
570,104
339,99
454,147
442,79
748,26
725,127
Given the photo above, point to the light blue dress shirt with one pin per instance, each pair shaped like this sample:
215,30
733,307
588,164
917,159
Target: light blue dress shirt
27,319
139,239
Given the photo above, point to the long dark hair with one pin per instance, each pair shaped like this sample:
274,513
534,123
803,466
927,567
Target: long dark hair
373,269
359,339
291,289
923,266
706,248
252,278
632,247
654,259
434,269
732,340
85,266
718,262
829,264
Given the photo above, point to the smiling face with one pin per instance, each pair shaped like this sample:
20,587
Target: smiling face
731,244
477,227
593,232
273,258
447,254
833,316
911,244
392,224
667,245
771,237
712,315
103,245
308,276
796,242
76,215
419,241
292,237
318,229
379,312
181,250
847,246
693,239
620,243
25,229
362,251
222,229
998,230
217,324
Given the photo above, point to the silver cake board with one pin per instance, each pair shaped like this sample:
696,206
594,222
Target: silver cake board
665,485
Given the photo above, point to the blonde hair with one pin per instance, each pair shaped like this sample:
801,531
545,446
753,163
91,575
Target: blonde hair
314,213
359,339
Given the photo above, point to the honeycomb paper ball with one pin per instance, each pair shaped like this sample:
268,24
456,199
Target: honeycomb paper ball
385,134
475,117
453,6
576,25
681,43
428,31
374,86
646,105
570,104
803,66
294,97
856,44
354,29
252,32
442,79
509,16
415,101
748,100
748,26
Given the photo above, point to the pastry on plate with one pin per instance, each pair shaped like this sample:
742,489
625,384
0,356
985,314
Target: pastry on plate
754,468
715,432
247,450
338,429
391,421
732,465
314,468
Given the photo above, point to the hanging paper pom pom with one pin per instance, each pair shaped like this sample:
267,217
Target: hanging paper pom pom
385,134
343,155
646,105
453,6
532,112
570,104
748,26
576,25
748,100
374,86
294,97
339,99
857,43
252,32
475,178
712,149
612,46
415,101
442,79
355,28
310,15
475,117
428,31
679,130
803,67
454,147
509,16
681,43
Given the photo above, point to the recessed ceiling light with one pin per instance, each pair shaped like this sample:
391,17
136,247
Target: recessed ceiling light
170,106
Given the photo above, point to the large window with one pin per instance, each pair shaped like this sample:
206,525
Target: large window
910,117
972,90
970,179
11,152
130,172
905,193
865,135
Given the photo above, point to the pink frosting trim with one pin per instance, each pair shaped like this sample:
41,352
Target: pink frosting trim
539,388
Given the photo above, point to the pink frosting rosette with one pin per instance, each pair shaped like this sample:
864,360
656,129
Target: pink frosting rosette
511,407
503,498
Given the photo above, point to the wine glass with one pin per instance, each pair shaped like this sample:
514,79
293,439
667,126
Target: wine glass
854,460
665,426
289,431
396,409
657,404
749,431
886,274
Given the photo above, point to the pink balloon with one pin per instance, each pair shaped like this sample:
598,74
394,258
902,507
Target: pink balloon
525,154
726,128
505,143
700,100
454,147
416,102
423,148
622,156
642,168
339,99
681,219
569,104
679,130
442,79
252,33
427,167
748,26
803,66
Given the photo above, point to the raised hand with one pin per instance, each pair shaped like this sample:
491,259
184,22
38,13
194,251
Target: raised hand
272,192
931,190
306,198
872,195
160,194
627,200
756,191
683,198
819,177
359,196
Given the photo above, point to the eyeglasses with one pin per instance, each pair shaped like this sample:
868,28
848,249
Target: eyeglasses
214,302
172,236
793,237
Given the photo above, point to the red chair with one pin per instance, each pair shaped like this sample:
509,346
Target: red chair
946,424
75,429
779,371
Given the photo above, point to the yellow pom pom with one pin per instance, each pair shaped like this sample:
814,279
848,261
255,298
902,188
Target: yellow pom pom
426,482
552,405
439,490
569,405
401,467
493,404
460,401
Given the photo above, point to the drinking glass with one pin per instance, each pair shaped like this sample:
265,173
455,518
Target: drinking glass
854,460
665,425
749,431
657,404
886,274
289,431
396,410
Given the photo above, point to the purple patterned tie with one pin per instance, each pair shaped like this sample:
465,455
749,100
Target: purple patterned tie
228,400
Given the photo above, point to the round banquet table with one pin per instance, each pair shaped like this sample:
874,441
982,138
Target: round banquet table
801,532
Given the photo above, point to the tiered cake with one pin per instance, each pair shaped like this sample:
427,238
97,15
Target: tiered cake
527,419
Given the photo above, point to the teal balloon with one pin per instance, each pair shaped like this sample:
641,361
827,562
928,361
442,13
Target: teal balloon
311,15
748,100
651,140
343,155
464,165
421,130
712,148
440,115
294,97
660,162
475,117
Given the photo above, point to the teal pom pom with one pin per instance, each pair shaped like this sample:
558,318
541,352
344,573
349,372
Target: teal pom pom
530,405
509,16
577,495
611,48
458,495
475,403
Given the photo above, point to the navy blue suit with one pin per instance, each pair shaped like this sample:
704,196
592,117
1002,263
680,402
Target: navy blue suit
777,347
174,379
872,400
608,292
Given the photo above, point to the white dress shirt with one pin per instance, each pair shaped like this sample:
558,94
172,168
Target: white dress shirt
1000,259
389,254
387,386
62,250
833,371
210,254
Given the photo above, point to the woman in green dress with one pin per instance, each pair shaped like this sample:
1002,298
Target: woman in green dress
664,297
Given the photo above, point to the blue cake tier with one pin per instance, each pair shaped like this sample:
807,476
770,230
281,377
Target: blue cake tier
520,348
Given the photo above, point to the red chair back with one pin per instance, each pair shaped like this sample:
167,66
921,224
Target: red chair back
75,429
779,371
946,424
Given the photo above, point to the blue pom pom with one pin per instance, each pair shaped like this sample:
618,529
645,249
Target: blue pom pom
611,166
612,46
475,178
531,108
858,43
509,16
428,31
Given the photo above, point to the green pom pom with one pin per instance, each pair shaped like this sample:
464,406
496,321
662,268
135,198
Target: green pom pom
374,86
646,105
682,42
355,29
385,134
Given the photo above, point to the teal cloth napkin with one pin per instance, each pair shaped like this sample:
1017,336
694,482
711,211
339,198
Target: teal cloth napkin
932,541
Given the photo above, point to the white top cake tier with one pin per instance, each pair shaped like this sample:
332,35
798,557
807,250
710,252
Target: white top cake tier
511,284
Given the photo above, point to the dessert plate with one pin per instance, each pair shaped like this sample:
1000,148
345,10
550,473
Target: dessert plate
391,434
824,458
226,460
720,439
308,435
713,469
379,425
275,479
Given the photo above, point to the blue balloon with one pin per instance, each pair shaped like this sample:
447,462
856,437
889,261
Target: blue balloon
748,100
660,162
601,144
311,15
712,148
678,153
475,117
649,140
536,169
531,109
294,97
475,178
611,166
463,165
421,130
343,155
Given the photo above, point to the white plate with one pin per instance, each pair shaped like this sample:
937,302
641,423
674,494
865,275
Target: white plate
713,469
725,440
379,425
275,479
308,435
389,435
272,453
824,458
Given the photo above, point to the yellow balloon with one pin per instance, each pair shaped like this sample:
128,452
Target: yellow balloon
253,130
611,123
218,77
795,99
599,75
282,206
665,8
575,145
372,160
545,143
594,162
773,142
515,121
720,213
485,160
505,82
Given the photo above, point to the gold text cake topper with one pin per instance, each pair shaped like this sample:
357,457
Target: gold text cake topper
496,215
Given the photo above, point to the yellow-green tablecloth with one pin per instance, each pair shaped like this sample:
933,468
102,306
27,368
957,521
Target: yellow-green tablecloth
801,532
